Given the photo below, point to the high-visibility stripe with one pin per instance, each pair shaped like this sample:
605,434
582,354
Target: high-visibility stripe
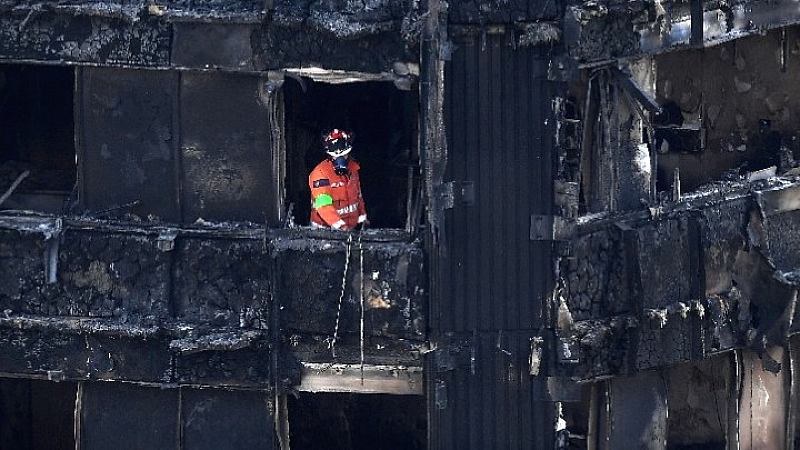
323,200
348,209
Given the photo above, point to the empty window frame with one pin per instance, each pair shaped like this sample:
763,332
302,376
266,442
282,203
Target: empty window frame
347,420
37,144
383,122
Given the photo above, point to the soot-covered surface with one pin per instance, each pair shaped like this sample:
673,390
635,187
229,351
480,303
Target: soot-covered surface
692,278
203,306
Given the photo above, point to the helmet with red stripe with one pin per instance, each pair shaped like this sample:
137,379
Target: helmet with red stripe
337,143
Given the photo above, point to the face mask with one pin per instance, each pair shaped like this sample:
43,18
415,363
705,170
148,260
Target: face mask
340,165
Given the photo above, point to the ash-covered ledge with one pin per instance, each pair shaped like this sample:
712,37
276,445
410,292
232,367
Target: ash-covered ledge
371,379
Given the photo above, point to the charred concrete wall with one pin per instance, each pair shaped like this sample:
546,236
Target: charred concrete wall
610,30
87,301
758,84
481,11
706,275
252,36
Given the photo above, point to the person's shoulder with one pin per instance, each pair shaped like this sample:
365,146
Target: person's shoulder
354,165
319,168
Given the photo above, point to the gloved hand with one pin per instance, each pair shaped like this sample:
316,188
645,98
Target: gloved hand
363,225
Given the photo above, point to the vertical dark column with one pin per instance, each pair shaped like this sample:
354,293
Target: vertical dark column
697,22
489,281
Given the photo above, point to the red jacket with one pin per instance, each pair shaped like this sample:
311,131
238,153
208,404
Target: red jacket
336,200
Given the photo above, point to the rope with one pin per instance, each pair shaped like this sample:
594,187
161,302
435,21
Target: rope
332,345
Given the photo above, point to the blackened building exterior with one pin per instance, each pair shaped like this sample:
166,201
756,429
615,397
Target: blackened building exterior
583,225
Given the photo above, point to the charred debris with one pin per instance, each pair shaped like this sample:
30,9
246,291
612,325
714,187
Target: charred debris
585,225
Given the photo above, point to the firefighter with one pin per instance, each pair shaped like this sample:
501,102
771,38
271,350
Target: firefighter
336,200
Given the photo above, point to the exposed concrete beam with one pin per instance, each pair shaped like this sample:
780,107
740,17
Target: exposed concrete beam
375,379
779,200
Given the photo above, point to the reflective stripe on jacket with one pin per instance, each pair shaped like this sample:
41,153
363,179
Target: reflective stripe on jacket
336,198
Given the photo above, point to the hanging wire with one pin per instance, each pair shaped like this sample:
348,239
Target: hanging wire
332,345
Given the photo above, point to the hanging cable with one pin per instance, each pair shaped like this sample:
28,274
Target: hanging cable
332,345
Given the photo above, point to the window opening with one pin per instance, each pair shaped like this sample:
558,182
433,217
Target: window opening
726,117
36,136
729,114
383,123
37,414
347,421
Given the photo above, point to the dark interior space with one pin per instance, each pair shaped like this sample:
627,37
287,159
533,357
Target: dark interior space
576,417
36,136
383,122
36,414
731,110
335,421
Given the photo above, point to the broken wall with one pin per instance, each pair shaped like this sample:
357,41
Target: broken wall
706,275
198,306
724,91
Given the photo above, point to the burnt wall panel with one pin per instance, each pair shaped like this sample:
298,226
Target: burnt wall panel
784,239
607,347
42,349
669,284
216,9
84,273
47,36
723,238
212,45
37,352
121,276
226,149
393,290
483,11
223,283
660,345
49,353
22,280
664,263
247,367
117,415
289,46
216,419
128,165
335,35
595,278
194,306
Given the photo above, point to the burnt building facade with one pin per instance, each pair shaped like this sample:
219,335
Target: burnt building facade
583,225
